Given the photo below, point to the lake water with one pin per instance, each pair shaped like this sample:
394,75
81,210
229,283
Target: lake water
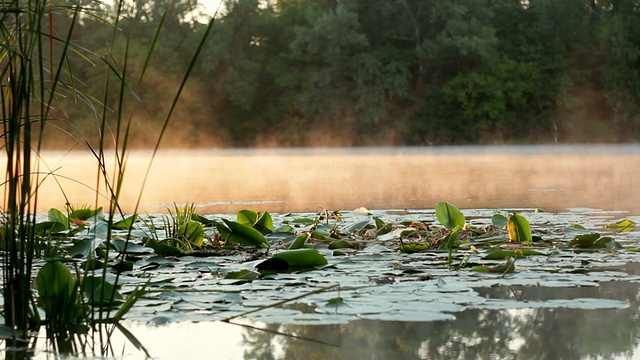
524,333
553,178
282,180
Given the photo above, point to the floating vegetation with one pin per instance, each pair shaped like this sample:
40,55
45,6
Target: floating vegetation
377,264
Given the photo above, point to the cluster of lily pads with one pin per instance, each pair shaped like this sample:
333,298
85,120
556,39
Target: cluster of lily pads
342,265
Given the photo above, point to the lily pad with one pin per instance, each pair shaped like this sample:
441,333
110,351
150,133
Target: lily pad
130,248
622,226
299,259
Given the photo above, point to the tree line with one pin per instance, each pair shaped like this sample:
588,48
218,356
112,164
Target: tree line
373,72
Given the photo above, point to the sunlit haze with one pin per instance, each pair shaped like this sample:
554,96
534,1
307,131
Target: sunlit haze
283,180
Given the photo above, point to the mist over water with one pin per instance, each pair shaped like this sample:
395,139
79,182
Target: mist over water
552,178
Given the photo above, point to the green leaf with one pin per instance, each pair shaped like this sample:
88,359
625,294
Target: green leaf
131,248
100,292
54,280
85,247
379,223
298,243
299,259
242,274
84,214
593,240
506,268
321,234
449,216
411,248
123,265
576,229
92,264
302,257
163,249
622,226
57,290
56,215
125,223
608,242
261,222
584,240
264,224
382,227
192,231
242,234
358,225
448,242
519,229
201,219
247,217
340,244
516,254
499,220
284,229
50,227
303,221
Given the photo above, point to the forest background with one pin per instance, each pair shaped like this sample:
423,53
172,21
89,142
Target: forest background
365,72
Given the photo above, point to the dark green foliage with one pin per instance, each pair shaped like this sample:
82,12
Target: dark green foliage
58,295
50,57
235,232
299,259
300,73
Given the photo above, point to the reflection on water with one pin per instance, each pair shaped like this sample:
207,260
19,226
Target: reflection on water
283,180
506,334
551,333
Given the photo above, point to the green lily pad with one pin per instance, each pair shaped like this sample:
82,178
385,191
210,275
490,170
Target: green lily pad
125,223
593,240
85,247
516,254
622,226
131,248
499,220
340,244
293,260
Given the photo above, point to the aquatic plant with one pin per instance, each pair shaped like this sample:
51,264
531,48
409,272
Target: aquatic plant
180,231
36,68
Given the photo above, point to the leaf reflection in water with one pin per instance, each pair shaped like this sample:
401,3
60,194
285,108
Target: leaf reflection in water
526,333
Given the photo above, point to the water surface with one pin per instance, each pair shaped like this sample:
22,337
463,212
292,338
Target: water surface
553,178
524,333
283,180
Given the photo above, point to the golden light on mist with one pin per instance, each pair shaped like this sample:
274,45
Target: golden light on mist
296,180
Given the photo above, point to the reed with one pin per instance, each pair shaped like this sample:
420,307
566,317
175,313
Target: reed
35,71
